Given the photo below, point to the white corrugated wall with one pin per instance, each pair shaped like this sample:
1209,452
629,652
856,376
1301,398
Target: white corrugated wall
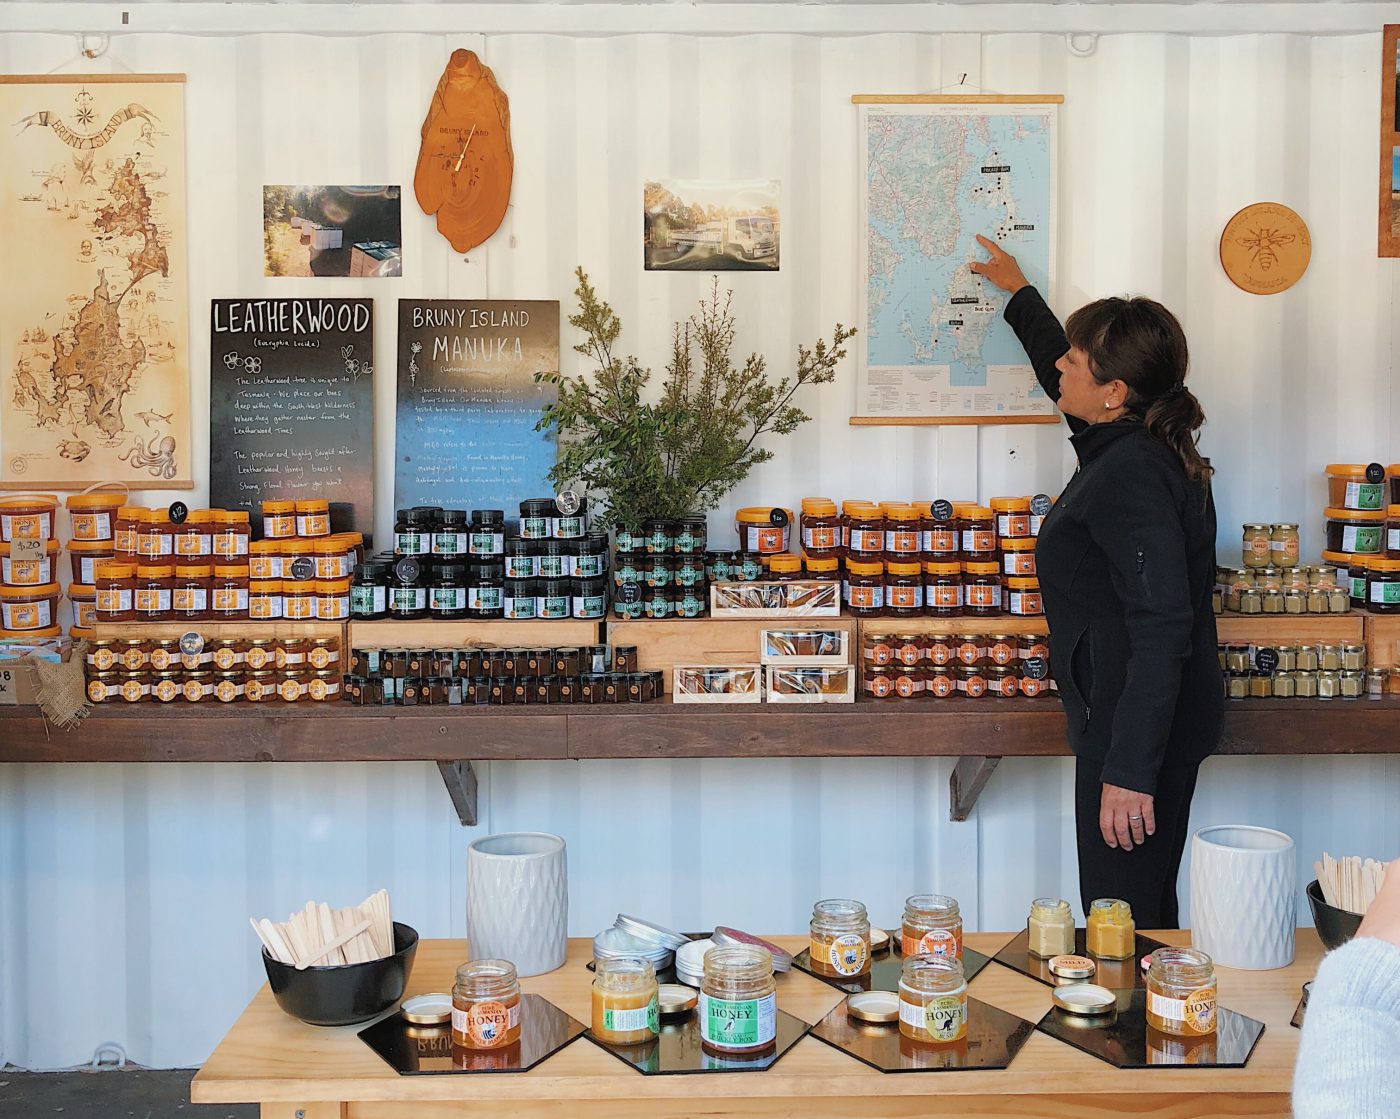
124,890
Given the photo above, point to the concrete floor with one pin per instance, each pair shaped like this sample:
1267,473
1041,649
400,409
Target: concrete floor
109,1094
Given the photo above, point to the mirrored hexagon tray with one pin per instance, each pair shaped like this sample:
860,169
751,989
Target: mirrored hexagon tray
1116,975
993,1039
678,1049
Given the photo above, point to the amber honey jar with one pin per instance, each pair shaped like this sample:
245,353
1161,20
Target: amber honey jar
932,925
839,939
933,999
1181,992
486,1005
1110,932
626,1001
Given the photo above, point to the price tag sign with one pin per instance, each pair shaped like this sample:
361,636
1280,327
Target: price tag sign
28,549
9,687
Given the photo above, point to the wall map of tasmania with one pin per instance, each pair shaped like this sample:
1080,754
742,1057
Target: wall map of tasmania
94,331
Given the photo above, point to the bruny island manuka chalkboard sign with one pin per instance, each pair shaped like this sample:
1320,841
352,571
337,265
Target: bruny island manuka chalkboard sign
468,402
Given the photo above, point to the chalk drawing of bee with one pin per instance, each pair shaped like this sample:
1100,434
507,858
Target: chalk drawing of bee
1263,246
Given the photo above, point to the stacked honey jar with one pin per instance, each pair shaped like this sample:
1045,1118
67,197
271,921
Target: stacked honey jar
205,565
1363,533
940,665
1302,671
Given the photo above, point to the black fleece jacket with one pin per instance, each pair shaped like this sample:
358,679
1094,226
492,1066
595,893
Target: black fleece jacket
1126,560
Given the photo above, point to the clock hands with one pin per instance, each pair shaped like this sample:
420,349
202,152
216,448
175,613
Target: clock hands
464,150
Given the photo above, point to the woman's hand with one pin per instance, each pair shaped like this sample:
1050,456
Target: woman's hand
1383,918
1125,817
1002,270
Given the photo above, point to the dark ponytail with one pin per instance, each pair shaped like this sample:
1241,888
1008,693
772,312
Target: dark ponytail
1141,343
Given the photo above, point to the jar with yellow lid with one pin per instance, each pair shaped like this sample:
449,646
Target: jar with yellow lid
333,599
822,567
279,519
1358,486
1050,928
863,529
228,592
943,589
940,532
820,527
313,517
982,589
1181,992
763,529
978,539
299,599
93,516
839,939
486,1005
1023,597
28,516
27,571
1356,532
1013,517
932,925
28,609
785,567
1018,557
904,588
153,590
626,1001
1110,932
864,588
933,999
265,599
265,559
738,1000
194,538
903,531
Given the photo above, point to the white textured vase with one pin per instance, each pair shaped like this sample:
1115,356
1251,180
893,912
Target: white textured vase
518,900
1244,896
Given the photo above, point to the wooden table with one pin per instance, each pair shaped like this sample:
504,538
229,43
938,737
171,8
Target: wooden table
302,1072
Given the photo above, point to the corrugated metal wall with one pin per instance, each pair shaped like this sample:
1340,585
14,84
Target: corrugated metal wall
126,888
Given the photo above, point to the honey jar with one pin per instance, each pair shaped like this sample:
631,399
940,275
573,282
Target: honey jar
1110,931
1050,928
738,1000
933,999
486,1005
839,939
1181,992
626,1001
932,925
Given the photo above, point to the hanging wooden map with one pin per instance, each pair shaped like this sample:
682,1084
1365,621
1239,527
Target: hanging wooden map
94,350
1265,248
465,163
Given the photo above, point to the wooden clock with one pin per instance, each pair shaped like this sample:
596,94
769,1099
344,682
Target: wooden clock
465,162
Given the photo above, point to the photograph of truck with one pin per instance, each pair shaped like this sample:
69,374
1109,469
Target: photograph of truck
695,225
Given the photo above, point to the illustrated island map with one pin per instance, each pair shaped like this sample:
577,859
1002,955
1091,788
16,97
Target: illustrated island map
935,177
95,324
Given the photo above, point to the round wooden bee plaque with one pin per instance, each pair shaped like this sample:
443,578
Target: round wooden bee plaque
1265,248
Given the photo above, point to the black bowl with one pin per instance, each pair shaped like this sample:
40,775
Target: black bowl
342,996
1334,926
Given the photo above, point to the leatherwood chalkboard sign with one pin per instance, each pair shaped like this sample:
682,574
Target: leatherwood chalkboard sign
468,402
291,404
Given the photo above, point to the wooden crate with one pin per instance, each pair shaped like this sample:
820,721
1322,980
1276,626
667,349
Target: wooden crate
665,643
1382,634
469,634
1292,629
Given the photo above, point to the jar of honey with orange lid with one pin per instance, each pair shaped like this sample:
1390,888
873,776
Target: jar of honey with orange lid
231,535
279,519
763,529
189,591
84,556
116,591
863,527
25,609
265,599
822,567
93,516
820,527
982,589
125,529
978,534
1023,598
903,531
28,572
785,567
228,592
264,559
864,588
153,591
943,589
1013,517
904,589
1018,557
28,516
313,517
155,535
940,532
194,539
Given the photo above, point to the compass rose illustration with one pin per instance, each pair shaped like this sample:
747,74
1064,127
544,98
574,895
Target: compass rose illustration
84,100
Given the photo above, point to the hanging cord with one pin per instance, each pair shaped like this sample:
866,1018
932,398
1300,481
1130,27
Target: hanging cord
91,47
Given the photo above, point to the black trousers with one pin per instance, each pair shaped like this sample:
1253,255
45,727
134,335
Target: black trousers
1144,877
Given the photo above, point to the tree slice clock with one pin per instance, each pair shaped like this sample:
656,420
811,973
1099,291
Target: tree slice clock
465,162
1265,248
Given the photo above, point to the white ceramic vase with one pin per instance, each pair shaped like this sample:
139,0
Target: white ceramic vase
1244,896
518,900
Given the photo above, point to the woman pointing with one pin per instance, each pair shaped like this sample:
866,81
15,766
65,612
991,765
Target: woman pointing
1126,560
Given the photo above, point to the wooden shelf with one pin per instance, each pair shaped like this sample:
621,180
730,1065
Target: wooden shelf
243,732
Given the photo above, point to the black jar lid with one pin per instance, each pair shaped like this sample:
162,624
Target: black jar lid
485,517
493,569
694,519
658,522
520,588
554,588
372,571
453,517
559,548
537,507
428,512
518,547
418,515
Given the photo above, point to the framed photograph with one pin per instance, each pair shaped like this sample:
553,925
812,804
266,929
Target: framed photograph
697,225
1388,239
332,231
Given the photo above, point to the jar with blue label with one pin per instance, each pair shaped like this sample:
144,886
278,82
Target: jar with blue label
450,536
556,559
659,571
659,535
720,566
628,568
590,598
629,540
591,560
447,596
658,602
691,602
522,600
572,525
556,598
689,571
692,534
522,559
537,518
488,533
413,532
486,591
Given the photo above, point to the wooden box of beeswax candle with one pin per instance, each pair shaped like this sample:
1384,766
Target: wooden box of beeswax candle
663,644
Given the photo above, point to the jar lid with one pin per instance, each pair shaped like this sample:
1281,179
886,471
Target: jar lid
977,513
114,570
898,511
1011,504
690,959
427,1010
1349,470
898,567
1340,559
734,938
825,565
537,507
265,547
81,590
201,516
225,516
331,586
42,590
50,547
154,571
615,944
763,514
651,933
488,516
1087,1000
1073,967
976,567
1380,564
1285,527
1019,583
865,567
861,510
313,505
31,634
96,501
262,586
1355,514
1018,544
292,586
30,501
785,563
231,571
943,567
271,508
1261,528
819,506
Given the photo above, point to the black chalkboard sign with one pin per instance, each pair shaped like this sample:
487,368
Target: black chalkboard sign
468,402
291,406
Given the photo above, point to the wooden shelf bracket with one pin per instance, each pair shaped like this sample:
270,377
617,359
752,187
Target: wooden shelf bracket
965,785
460,779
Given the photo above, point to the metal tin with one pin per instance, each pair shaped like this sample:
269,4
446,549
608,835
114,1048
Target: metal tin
615,944
734,938
676,999
657,935
1077,968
